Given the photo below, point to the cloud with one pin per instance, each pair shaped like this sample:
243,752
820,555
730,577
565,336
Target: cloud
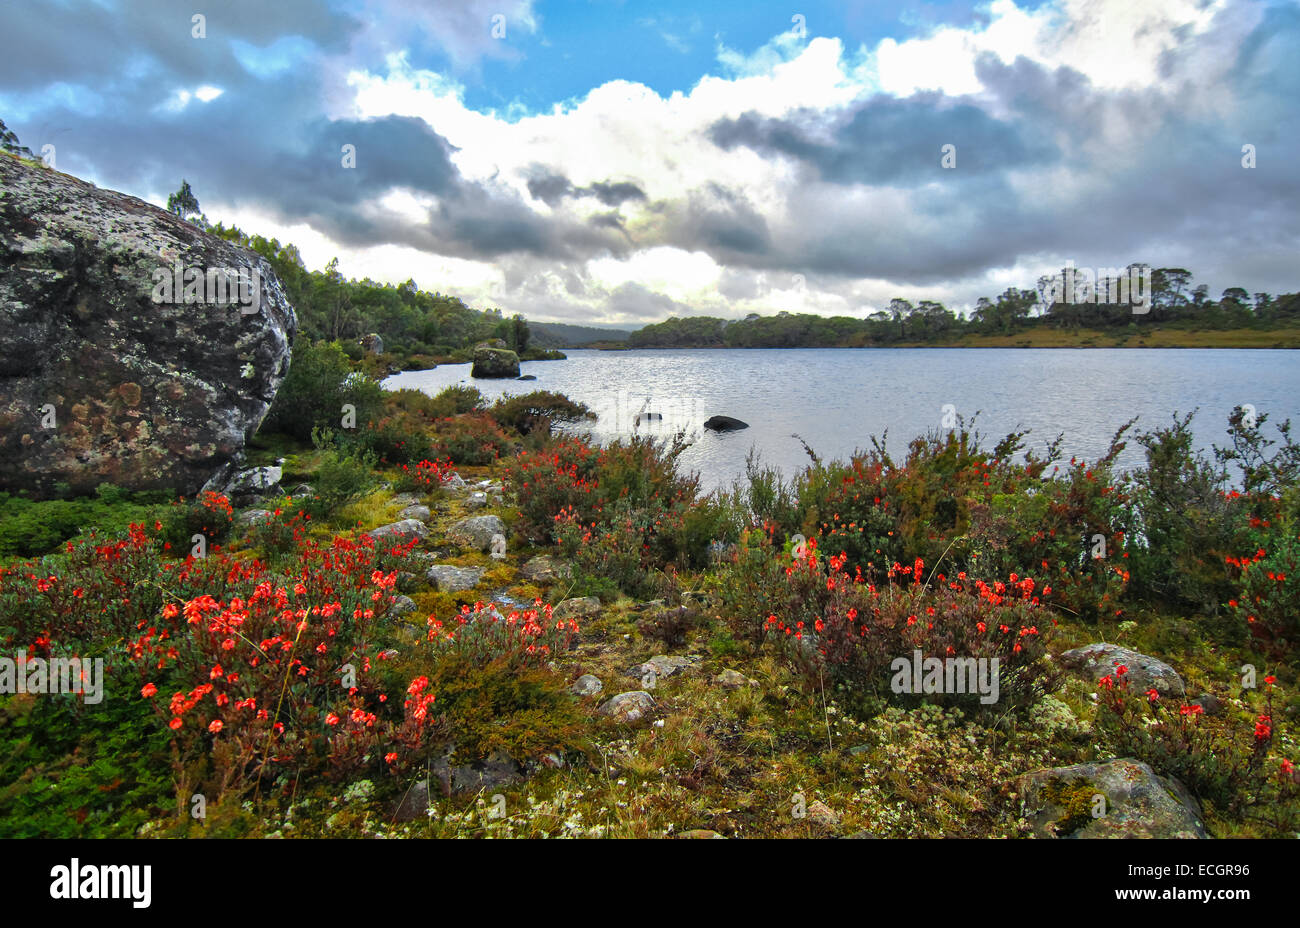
623,205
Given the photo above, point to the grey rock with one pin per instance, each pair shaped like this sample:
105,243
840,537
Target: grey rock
303,490
414,805
1143,671
628,707
732,679
372,344
1209,703
578,607
475,533
402,605
254,481
450,579
492,362
662,665
253,516
493,772
417,512
545,569
148,395
476,500
1138,802
407,528
586,685
821,815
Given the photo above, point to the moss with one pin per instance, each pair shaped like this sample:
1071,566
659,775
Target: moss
1075,800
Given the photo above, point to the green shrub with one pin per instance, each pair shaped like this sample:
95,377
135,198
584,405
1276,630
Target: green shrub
540,410
319,384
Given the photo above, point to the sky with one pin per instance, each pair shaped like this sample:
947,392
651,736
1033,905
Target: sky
614,163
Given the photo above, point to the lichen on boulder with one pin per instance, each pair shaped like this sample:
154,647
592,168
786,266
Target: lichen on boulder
135,348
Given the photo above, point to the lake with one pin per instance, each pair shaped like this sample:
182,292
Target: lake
836,399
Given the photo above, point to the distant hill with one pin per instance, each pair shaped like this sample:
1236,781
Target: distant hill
562,335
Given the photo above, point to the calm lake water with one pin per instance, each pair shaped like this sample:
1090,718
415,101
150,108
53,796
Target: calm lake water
837,399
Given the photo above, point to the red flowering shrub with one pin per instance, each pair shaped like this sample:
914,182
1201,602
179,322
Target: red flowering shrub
1268,597
471,439
483,635
261,670
846,626
1230,761
562,479
210,515
426,477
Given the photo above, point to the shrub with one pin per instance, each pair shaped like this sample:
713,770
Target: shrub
31,527
211,516
319,383
1226,762
482,634
842,625
540,410
470,440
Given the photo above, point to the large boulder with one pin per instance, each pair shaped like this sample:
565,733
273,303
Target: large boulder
475,533
1143,671
109,371
494,362
1121,798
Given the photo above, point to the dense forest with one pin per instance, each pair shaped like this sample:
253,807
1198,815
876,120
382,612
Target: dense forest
1173,303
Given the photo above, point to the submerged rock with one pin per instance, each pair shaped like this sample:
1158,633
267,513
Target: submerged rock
724,424
109,371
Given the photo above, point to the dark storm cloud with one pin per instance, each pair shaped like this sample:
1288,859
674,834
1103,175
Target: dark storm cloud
885,141
614,194
551,188
1047,163
88,42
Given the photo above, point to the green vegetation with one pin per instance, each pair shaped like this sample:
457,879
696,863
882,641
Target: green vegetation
789,597
1177,317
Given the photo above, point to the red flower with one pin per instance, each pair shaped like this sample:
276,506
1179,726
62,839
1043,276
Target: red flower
148,690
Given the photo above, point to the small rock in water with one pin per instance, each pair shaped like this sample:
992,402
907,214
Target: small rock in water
724,424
